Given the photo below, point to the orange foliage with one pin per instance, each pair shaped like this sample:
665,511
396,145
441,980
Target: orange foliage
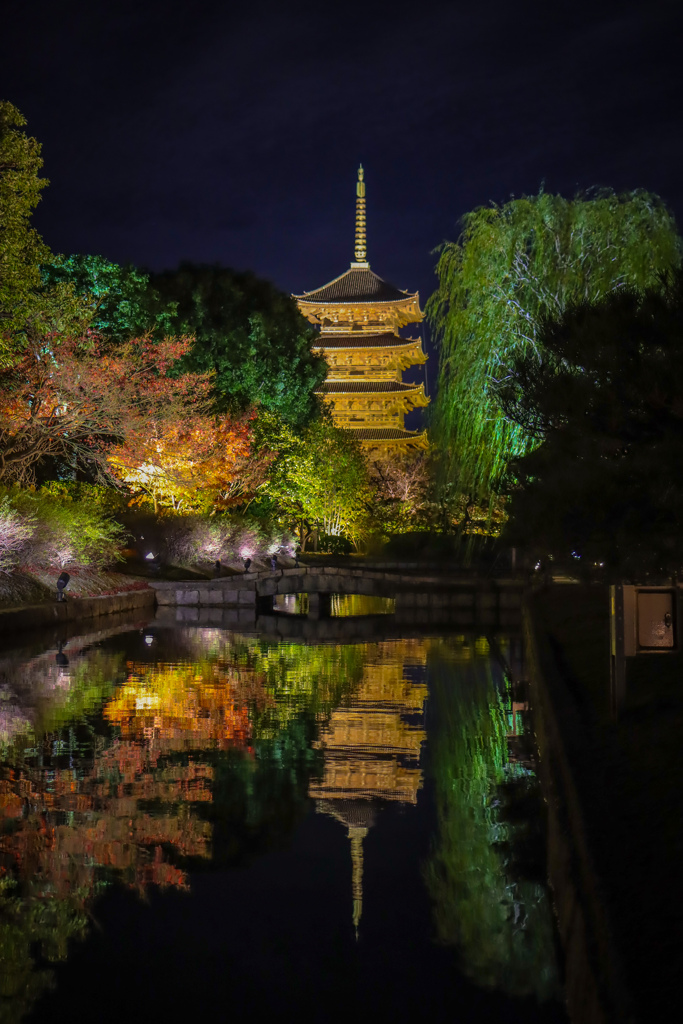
176,710
122,414
174,461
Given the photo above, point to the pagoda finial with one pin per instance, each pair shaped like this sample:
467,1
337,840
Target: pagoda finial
360,250
357,835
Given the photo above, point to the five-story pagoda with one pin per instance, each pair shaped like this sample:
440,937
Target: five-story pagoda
359,316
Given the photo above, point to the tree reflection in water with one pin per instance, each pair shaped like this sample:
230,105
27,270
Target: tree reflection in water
485,903
133,771
136,763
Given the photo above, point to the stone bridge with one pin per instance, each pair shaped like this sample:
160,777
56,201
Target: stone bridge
463,600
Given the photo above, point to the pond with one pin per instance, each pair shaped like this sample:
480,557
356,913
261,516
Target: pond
200,823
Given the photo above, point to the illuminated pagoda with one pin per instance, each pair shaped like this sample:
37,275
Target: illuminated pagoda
359,316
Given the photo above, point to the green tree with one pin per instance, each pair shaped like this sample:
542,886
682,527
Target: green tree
121,301
21,247
28,310
604,401
251,335
512,266
319,478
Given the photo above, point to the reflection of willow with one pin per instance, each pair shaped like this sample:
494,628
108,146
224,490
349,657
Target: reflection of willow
501,924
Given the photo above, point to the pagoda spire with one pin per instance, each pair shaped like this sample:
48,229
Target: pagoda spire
360,248
357,835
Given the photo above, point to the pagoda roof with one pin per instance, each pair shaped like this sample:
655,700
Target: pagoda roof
387,434
352,813
357,386
356,286
358,340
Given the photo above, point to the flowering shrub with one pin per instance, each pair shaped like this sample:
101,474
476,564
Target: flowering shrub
49,529
193,539
15,531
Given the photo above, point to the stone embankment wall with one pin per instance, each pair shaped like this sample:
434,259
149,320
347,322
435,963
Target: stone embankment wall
33,617
596,987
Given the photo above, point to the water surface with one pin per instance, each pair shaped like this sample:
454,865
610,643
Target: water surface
200,822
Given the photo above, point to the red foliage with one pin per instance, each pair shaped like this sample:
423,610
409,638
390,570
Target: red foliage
124,589
72,398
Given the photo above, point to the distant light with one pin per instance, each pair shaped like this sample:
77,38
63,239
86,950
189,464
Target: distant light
149,555
149,640
246,553
537,566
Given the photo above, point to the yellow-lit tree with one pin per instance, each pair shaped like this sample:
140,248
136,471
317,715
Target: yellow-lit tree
320,480
186,461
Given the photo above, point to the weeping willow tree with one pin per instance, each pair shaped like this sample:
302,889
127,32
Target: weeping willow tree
513,266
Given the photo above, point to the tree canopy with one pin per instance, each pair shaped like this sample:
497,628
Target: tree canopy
251,335
319,478
121,302
512,266
72,401
183,462
21,247
605,401
27,308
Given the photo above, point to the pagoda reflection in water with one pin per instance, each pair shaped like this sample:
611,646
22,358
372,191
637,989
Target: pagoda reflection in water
372,749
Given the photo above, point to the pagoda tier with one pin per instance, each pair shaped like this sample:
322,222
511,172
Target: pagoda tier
368,404
360,299
360,315
386,355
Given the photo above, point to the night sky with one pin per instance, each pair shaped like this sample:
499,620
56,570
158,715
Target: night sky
231,133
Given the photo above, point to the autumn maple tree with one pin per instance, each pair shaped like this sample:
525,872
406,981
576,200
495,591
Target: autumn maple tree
178,462
120,414
68,400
